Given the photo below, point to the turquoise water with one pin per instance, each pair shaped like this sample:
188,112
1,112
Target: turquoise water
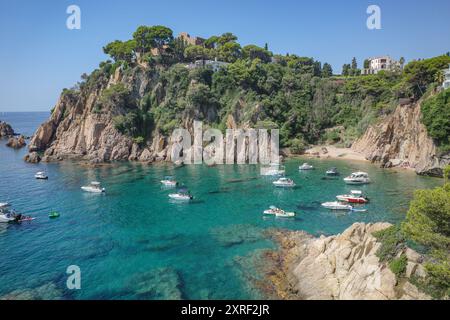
134,243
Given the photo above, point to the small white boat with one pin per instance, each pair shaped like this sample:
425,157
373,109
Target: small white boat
273,170
181,195
41,176
306,166
358,178
7,217
284,183
337,206
279,213
4,205
332,172
355,196
169,182
94,187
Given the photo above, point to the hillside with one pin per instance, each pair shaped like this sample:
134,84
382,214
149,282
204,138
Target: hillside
127,108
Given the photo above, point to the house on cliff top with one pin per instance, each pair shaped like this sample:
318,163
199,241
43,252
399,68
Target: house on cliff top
446,83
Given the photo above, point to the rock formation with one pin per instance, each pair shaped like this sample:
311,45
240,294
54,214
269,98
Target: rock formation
342,267
5,130
32,157
16,142
401,140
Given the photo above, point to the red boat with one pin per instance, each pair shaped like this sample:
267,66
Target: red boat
355,197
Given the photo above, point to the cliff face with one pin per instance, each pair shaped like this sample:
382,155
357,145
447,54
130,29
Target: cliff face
76,130
401,140
342,267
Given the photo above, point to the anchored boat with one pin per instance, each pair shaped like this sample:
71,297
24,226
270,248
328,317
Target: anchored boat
94,187
306,166
358,178
284,183
332,172
169,181
41,176
355,196
279,213
337,206
181,195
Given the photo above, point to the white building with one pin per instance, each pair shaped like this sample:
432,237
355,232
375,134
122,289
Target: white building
215,65
378,64
446,83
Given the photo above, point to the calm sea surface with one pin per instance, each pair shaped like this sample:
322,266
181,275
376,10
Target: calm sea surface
133,243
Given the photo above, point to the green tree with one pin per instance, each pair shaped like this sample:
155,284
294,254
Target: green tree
346,70
152,37
366,64
229,52
327,70
121,51
193,53
254,52
354,64
226,38
436,118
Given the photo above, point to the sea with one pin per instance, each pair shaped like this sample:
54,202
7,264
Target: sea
133,242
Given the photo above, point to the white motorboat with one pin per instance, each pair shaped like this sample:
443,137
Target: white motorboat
273,170
94,187
284,183
355,196
181,195
306,166
332,172
357,178
279,213
6,217
41,175
336,205
169,182
4,205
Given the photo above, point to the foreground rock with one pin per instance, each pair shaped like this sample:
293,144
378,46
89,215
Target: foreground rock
401,140
16,143
342,267
6,131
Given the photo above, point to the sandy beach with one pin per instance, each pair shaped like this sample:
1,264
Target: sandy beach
335,152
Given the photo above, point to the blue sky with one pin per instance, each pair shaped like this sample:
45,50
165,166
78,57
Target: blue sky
39,56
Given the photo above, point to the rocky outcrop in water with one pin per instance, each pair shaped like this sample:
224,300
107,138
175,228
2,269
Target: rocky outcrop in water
401,140
341,267
16,142
6,131
32,157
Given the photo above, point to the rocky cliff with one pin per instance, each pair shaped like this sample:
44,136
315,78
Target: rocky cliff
77,129
401,140
341,267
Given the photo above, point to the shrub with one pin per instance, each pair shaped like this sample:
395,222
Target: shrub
398,265
392,241
436,118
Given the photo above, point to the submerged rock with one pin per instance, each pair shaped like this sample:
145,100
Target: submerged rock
158,284
47,291
237,234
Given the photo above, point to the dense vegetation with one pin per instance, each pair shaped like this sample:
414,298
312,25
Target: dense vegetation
436,117
298,95
427,224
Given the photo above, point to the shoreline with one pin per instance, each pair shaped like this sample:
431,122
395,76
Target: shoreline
332,152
